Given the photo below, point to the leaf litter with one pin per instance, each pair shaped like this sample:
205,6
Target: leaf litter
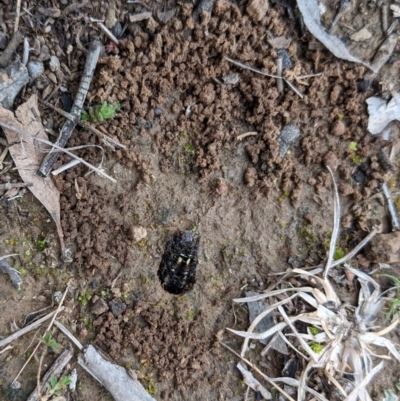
28,154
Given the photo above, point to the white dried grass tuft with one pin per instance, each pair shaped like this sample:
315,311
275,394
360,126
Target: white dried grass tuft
347,333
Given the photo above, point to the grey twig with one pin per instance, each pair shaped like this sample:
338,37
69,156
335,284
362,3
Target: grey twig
68,127
5,58
9,185
27,329
246,67
392,208
55,370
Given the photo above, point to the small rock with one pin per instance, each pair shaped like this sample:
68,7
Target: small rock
384,248
139,233
338,128
54,63
116,30
361,35
331,160
231,79
12,79
286,60
117,307
257,9
35,69
158,112
41,298
287,138
99,307
57,296
280,42
250,176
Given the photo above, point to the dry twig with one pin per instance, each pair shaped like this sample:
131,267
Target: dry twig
48,328
68,127
27,329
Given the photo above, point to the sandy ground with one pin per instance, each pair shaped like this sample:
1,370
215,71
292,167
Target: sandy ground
255,211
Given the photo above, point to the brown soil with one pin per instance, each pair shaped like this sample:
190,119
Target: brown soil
183,169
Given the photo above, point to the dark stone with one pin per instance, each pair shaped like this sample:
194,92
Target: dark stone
158,112
117,307
286,61
288,136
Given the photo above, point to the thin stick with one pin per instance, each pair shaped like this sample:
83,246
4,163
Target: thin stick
279,68
105,138
245,135
48,329
8,52
309,75
258,371
26,329
68,334
357,249
246,67
392,209
55,370
293,88
108,32
68,127
21,132
18,11
8,185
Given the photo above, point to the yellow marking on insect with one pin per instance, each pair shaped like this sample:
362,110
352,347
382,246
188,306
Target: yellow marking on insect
179,260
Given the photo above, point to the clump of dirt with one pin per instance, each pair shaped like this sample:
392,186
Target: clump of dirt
178,348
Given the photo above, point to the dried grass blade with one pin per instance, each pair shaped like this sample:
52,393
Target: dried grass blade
259,336
306,347
336,225
252,382
268,379
260,317
372,338
353,395
272,294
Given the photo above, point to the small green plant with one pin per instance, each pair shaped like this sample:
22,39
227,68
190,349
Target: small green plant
284,195
54,385
314,330
394,305
353,156
190,148
41,245
353,146
390,396
85,298
50,342
316,347
101,112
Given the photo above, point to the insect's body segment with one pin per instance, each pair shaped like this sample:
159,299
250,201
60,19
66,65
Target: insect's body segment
177,271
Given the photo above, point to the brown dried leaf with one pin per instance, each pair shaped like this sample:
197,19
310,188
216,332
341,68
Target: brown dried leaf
28,155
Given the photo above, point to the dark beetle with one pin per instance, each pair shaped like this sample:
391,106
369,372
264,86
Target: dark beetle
177,271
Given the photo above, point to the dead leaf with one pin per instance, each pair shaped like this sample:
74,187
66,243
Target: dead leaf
310,12
28,155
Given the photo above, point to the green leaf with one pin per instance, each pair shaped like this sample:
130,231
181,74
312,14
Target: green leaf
53,381
390,396
353,146
50,342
